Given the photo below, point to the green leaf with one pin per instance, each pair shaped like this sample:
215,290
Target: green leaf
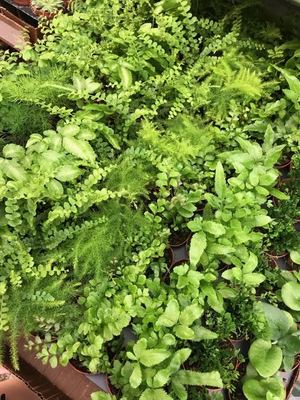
290,293
277,320
221,249
197,247
202,333
229,275
13,170
278,194
79,148
251,264
262,220
13,151
220,182
69,130
253,149
55,189
214,228
253,279
273,156
53,361
265,357
68,173
138,348
155,394
269,138
190,314
161,378
179,390
295,256
195,225
255,389
102,396
168,339
194,378
293,82
136,377
152,357
184,332
112,139
179,358
126,77
170,316
254,177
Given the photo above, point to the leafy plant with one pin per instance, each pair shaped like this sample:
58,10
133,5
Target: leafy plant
47,5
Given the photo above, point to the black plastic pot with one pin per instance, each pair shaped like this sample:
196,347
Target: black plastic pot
297,224
293,387
285,13
284,168
212,391
278,260
178,249
241,344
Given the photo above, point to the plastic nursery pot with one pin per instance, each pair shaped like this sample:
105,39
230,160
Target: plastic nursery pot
293,390
238,395
288,376
281,184
78,367
178,249
297,224
241,344
284,168
100,379
200,207
213,391
233,344
278,260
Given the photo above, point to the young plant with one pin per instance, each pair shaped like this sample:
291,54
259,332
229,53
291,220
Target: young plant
244,275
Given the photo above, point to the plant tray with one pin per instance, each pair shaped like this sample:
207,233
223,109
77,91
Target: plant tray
25,13
33,31
74,384
26,384
12,33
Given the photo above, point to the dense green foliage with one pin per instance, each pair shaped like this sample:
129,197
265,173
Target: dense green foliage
130,123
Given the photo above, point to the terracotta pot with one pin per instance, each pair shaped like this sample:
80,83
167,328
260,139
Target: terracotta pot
22,2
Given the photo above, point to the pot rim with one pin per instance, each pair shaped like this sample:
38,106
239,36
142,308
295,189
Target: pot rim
276,256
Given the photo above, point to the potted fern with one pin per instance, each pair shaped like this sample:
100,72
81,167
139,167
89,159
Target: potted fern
47,8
